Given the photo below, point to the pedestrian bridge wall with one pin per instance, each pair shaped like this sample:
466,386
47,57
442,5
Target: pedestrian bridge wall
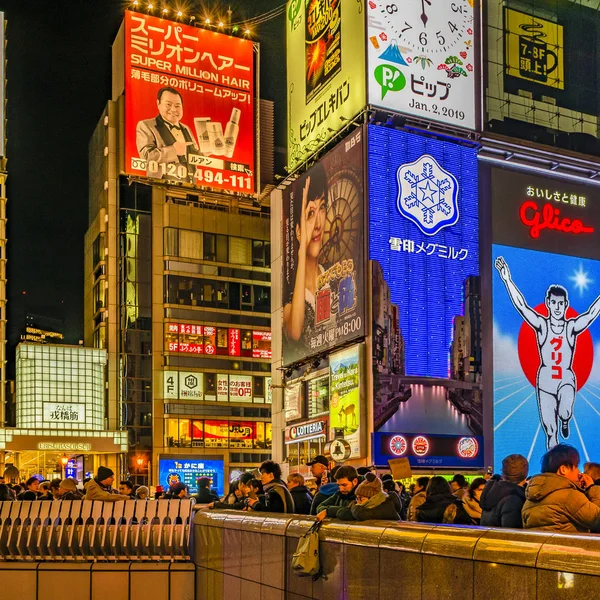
248,556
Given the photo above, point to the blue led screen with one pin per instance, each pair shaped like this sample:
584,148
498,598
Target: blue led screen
423,231
189,470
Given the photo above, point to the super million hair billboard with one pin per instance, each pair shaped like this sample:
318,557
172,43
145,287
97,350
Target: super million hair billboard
189,105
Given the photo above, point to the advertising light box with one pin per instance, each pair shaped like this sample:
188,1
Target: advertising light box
189,470
421,59
429,451
424,233
189,105
546,303
323,253
325,42
426,295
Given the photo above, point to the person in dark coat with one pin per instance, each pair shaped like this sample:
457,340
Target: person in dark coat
205,495
371,503
347,480
32,485
325,491
277,497
503,497
300,494
389,487
440,505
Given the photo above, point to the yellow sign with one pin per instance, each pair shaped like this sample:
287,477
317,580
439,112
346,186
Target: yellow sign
534,49
326,72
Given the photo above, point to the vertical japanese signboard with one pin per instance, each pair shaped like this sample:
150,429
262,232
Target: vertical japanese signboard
421,59
426,321
189,105
345,401
326,71
2,87
323,253
546,303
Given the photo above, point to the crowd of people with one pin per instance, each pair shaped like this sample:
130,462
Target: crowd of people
560,498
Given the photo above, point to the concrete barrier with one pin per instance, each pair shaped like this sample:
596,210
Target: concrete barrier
240,555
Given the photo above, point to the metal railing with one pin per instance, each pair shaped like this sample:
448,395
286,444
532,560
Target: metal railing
135,530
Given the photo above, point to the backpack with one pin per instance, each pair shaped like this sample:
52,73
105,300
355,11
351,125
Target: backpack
305,561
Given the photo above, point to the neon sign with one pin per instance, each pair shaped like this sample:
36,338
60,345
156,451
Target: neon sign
549,218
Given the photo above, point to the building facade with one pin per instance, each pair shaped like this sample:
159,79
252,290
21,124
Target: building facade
178,292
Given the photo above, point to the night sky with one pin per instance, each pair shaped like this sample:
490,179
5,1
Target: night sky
58,84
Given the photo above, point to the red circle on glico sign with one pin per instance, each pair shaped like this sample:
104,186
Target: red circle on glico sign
529,354
420,445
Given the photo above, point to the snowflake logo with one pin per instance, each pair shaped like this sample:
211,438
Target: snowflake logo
428,195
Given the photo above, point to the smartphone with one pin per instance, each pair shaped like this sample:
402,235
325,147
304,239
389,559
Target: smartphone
490,470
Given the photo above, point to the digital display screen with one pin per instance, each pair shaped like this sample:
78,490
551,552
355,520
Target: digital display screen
189,470
425,451
546,303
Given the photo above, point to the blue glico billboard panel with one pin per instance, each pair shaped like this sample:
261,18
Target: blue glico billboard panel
189,470
423,224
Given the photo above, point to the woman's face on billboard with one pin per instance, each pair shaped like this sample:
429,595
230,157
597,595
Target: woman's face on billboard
316,214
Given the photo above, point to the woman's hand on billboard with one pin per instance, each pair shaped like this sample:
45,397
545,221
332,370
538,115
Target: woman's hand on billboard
306,223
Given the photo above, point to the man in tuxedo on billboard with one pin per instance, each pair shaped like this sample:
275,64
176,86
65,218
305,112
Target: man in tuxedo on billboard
165,140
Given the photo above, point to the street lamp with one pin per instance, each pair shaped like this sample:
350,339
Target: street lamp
65,461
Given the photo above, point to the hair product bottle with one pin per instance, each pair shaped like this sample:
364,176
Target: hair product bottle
231,132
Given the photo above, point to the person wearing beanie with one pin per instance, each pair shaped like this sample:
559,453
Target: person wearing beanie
503,496
68,490
100,488
371,503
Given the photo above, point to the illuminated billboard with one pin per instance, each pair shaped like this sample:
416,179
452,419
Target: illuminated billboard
542,73
60,387
422,59
346,397
189,470
189,105
323,253
426,297
546,301
325,71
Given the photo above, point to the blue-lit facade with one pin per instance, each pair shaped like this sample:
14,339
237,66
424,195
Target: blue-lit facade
424,232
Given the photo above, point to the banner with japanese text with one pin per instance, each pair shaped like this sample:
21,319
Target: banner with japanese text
189,105
323,254
325,71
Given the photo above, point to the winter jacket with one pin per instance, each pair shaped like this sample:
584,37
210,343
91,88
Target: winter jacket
443,508
473,509
237,505
95,491
302,500
386,511
405,500
398,506
46,498
277,498
76,495
415,502
325,491
501,504
554,503
334,503
27,495
206,496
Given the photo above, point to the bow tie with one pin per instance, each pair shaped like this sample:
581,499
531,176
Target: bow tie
171,126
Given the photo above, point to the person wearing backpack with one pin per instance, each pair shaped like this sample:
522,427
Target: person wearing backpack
277,497
441,506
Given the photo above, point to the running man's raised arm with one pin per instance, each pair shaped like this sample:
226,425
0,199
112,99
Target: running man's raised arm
516,297
583,321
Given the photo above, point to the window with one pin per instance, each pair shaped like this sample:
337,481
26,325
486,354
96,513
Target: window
240,250
318,396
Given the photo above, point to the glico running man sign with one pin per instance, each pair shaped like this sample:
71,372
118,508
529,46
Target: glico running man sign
189,105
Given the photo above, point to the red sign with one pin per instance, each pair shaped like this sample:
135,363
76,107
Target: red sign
234,342
186,348
210,340
261,344
549,218
189,105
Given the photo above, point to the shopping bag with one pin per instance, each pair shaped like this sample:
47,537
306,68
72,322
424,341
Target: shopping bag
305,561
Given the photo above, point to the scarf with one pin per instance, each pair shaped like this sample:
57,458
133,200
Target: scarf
375,500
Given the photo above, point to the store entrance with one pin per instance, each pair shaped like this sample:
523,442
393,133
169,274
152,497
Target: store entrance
20,466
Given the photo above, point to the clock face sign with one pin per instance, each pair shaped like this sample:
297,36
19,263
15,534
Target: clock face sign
422,59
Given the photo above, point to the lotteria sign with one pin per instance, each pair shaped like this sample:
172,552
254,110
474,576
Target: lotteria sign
307,430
